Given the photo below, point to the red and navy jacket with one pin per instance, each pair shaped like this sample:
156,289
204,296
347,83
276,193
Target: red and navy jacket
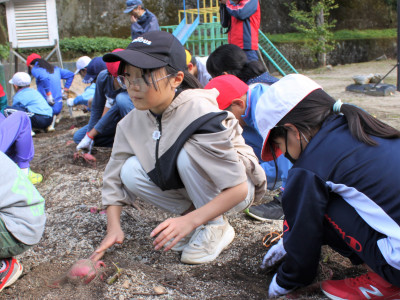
245,22
336,164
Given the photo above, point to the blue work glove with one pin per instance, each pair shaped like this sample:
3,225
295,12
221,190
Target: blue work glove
275,290
86,143
275,254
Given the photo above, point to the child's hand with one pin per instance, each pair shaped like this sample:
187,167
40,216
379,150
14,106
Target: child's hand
115,236
175,228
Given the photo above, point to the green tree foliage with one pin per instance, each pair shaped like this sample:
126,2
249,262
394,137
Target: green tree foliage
315,24
391,3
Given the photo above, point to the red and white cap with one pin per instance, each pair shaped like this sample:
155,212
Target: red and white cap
280,99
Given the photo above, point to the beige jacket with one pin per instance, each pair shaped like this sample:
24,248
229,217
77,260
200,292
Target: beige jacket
211,137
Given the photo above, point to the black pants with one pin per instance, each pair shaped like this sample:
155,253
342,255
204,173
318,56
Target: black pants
347,233
37,121
40,122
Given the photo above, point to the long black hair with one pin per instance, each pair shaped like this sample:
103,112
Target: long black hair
44,64
232,59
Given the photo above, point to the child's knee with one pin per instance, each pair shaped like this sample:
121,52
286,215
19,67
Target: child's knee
132,173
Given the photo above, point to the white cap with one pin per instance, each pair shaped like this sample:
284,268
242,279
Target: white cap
82,63
278,101
21,79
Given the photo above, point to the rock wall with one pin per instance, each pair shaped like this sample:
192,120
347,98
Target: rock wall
349,51
106,18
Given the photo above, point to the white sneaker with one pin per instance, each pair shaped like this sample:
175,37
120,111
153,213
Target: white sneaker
207,243
182,243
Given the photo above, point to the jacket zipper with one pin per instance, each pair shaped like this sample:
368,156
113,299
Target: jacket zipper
158,169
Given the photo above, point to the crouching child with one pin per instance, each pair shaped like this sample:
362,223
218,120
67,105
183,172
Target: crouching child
22,219
177,151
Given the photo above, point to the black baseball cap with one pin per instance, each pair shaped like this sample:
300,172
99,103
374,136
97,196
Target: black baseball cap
152,50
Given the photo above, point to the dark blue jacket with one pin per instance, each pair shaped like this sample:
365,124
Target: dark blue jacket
104,89
147,22
366,177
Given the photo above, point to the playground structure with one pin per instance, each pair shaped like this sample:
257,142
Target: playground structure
200,31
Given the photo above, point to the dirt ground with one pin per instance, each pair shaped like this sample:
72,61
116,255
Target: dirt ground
74,229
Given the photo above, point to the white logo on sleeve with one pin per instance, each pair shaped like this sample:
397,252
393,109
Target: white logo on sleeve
374,291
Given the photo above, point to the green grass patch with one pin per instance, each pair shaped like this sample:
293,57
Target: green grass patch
337,35
78,46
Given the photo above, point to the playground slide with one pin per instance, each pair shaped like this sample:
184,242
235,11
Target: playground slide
184,31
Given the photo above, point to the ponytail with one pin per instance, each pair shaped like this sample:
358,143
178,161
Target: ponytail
362,125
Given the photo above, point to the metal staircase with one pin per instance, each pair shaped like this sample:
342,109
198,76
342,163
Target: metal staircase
273,55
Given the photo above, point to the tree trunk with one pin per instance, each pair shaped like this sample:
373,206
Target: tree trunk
320,22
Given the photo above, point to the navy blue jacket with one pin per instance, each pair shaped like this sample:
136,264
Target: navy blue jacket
366,177
147,22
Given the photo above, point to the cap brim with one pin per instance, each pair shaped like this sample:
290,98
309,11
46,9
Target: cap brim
88,78
266,154
129,9
10,81
135,58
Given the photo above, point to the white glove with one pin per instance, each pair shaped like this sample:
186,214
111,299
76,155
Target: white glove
50,99
70,102
275,290
64,93
86,143
273,255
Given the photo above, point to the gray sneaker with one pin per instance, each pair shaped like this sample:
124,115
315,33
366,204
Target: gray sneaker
266,211
207,243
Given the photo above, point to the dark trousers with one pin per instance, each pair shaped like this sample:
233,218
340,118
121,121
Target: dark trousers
251,55
41,122
37,121
347,233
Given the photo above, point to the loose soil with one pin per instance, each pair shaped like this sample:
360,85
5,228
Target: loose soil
73,232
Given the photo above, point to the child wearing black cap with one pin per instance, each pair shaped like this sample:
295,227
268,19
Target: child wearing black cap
178,151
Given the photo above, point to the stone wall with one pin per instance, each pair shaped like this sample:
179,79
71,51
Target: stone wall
349,51
106,18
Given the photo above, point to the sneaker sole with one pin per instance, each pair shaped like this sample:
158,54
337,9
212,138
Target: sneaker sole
247,212
331,296
15,276
229,236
